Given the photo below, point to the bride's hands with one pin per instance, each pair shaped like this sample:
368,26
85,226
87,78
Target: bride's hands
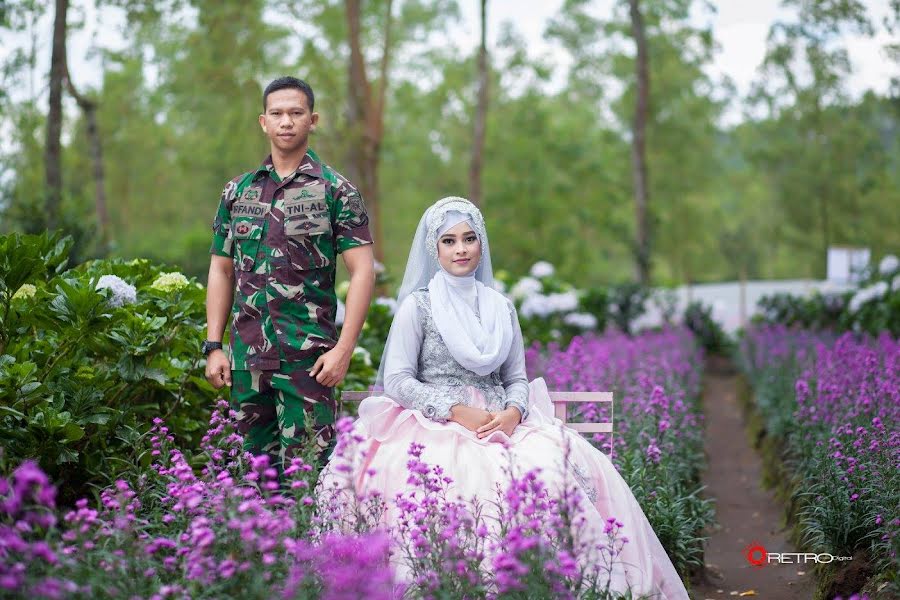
469,417
506,421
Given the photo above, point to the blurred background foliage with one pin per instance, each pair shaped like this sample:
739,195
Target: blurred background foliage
808,166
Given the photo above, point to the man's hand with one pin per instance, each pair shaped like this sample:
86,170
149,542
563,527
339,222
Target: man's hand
331,367
506,421
469,417
218,369
219,294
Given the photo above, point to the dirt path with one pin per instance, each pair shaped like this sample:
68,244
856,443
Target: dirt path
747,514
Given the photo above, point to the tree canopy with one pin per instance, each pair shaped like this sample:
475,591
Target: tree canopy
809,166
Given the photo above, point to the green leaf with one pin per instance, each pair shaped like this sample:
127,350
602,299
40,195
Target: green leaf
29,387
98,419
25,258
6,410
66,455
156,375
73,432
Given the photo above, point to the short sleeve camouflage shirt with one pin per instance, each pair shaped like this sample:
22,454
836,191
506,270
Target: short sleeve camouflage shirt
284,236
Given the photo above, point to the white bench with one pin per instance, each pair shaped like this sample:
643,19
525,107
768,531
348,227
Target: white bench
560,400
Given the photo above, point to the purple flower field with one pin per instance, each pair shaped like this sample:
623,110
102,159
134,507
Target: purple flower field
655,378
219,523
835,404
658,439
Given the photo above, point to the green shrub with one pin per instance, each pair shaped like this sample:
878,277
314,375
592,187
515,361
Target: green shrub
627,303
698,318
873,307
819,311
90,355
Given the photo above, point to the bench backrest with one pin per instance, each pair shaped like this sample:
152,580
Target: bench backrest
561,402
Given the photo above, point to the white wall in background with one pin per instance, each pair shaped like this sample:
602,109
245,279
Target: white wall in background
846,263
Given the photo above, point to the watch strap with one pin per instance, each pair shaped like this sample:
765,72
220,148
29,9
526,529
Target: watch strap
209,346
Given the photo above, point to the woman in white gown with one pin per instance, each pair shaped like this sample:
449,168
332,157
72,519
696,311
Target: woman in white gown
453,375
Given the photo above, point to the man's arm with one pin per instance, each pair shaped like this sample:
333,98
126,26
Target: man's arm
331,368
219,297
360,263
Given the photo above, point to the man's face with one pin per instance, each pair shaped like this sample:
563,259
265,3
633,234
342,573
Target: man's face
288,120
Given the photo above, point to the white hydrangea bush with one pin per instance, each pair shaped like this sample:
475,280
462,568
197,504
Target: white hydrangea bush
169,282
548,307
122,292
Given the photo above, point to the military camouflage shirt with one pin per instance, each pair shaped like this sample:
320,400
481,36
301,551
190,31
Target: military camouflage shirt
284,236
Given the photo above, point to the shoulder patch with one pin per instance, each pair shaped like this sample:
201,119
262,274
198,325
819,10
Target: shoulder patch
355,204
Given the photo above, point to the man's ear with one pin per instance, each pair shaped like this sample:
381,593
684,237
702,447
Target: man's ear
262,122
313,120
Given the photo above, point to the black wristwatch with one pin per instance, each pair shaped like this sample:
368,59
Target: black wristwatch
207,346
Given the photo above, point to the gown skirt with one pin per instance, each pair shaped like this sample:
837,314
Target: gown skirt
478,466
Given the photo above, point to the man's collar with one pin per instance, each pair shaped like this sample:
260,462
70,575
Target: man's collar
310,165
265,167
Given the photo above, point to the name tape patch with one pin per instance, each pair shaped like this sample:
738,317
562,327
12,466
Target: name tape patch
249,209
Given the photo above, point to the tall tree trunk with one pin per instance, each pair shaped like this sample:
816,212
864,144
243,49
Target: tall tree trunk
638,145
53,146
365,112
820,134
475,166
89,107
357,100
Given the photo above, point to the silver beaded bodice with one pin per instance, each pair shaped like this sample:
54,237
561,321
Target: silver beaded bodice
441,382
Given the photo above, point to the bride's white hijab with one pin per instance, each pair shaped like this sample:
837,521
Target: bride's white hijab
481,342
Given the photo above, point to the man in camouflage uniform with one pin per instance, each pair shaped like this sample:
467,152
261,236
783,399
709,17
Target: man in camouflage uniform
276,237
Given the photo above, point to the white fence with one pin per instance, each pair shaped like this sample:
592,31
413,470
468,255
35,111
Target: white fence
725,299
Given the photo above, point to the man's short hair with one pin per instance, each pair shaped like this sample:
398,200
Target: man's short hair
287,83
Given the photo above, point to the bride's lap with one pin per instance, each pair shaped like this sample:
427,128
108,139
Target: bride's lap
476,465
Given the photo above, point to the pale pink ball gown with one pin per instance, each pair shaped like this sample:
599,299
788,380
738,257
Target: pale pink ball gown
428,381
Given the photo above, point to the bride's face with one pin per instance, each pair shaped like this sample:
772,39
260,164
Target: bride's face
459,250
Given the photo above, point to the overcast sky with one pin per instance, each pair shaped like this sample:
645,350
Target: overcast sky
739,26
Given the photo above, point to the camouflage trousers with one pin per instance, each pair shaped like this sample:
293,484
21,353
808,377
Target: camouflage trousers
273,407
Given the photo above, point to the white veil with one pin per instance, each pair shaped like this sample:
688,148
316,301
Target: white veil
423,262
